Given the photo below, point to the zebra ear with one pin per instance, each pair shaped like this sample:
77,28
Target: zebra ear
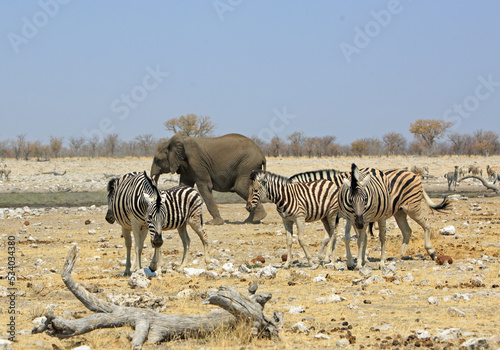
365,181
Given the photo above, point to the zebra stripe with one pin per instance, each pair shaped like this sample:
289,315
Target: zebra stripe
127,206
175,208
297,203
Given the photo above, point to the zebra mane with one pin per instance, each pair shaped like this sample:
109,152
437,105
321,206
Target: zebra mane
354,177
112,184
262,174
328,174
154,189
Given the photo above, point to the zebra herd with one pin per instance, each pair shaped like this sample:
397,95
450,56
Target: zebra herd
362,196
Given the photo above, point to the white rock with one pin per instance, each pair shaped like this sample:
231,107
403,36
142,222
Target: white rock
384,327
475,344
421,334
320,278
244,269
267,272
295,310
139,280
84,347
336,298
39,320
92,232
300,327
229,267
342,343
321,336
454,312
408,278
448,230
433,300
186,294
449,335
5,344
365,271
190,272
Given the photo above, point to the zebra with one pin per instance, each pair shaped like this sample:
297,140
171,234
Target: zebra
297,203
127,205
174,209
365,200
452,177
422,171
406,195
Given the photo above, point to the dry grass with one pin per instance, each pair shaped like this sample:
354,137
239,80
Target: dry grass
406,309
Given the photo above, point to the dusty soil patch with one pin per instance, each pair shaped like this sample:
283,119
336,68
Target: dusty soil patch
399,300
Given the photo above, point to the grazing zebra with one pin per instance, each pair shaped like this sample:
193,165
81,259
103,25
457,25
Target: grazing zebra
406,194
492,173
365,200
174,209
297,203
475,170
452,177
127,205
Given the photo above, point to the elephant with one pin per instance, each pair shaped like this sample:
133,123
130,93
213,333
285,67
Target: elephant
220,164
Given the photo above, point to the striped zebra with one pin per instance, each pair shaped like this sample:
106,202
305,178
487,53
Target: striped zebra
127,205
297,203
365,200
406,195
172,209
452,177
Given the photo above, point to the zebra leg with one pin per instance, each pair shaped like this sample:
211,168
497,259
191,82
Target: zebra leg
185,243
424,223
289,231
382,231
139,237
128,244
347,241
300,235
329,238
196,224
361,247
402,221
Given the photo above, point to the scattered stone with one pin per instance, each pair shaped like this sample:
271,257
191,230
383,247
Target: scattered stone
342,343
454,312
139,280
83,347
475,344
92,232
259,258
267,272
244,269
336,298
408,278
320,278
192,272
421,334
300,327
448,230
433,300
38,321
321,336
389,269
295,310
26,223
449,335
365,271
284,257
384,327
5,344
186,294
229,267
87,222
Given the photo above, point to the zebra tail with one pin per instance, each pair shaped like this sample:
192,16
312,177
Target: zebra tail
441,207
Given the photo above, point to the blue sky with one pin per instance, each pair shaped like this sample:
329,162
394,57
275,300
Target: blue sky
259,68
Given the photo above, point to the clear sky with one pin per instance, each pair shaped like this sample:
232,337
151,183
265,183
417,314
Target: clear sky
352,69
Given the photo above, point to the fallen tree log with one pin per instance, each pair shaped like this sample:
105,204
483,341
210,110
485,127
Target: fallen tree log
483,181
156,327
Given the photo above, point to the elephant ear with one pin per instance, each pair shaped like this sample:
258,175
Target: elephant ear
176,154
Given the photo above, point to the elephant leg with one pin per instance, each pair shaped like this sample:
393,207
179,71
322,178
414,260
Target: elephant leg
241,188
206,194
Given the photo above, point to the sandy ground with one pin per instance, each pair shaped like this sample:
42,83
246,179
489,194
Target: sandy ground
383,311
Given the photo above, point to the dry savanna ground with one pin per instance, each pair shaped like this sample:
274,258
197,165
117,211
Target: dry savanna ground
386,309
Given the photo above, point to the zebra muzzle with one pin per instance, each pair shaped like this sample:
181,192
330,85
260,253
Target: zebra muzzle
157,241
249,207
359,222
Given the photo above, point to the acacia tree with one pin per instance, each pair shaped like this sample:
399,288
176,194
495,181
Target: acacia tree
56,145
190,125
111,143
485,142
296,143
394,143
429,130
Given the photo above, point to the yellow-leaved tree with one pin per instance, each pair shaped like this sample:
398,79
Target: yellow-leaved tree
190,125
429,130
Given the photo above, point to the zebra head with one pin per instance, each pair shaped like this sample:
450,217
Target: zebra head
156,213
110,216
356,196
257,190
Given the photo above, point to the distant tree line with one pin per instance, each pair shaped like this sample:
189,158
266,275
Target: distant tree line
431,137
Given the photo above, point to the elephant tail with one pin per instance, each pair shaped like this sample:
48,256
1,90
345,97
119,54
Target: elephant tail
263,165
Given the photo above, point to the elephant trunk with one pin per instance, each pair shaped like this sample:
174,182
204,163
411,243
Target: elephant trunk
155,173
